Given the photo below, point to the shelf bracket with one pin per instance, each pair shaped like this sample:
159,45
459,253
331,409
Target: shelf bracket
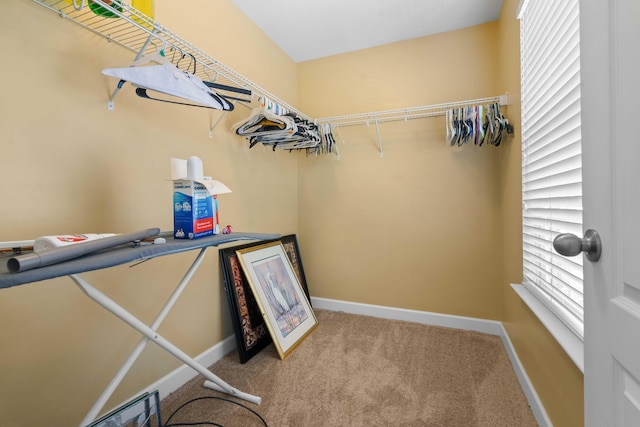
375,116
115,92
121,83
211,129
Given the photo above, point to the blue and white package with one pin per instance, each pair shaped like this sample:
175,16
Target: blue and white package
195,200
194,210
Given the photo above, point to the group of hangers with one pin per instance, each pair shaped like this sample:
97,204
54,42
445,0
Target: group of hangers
272,125
328,142
168,78
478,124
269,124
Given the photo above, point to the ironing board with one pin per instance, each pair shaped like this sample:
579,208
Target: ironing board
126,254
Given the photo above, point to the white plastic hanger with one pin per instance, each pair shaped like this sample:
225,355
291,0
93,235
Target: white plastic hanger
168,79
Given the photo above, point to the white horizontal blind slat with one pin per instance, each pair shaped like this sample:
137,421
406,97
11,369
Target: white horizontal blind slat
561,191
570,271
570,202
571,300
547,154
551,154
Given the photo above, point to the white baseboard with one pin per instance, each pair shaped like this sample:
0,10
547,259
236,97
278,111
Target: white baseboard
174,380
491,327
529,391
180,376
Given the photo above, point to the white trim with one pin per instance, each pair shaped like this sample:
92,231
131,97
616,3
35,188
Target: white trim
180,376
568,340
527,387
491,327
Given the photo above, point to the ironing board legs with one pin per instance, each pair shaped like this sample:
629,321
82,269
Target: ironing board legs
106,394
149,333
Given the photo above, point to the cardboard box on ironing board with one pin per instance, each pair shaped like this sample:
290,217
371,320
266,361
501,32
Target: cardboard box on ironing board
195,206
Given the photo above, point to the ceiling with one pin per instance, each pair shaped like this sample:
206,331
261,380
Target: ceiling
310,29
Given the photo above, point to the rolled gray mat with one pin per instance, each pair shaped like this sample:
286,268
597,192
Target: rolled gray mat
56,255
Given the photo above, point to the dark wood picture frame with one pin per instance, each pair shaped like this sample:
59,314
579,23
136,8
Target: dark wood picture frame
248,325
283,303
249,328
290,243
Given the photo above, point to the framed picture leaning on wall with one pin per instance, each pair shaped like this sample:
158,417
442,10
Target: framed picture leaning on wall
282,301
248,325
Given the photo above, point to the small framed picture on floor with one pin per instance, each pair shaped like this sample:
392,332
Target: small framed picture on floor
282,301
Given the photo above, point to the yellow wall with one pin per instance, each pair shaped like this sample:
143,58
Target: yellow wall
419,228
558,382
71,166
427,227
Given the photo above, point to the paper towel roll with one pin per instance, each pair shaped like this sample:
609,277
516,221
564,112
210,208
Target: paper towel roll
194,168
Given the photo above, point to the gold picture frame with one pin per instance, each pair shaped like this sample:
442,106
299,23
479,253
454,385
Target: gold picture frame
279,294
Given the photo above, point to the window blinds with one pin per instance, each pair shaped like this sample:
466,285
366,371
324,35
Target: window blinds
551,153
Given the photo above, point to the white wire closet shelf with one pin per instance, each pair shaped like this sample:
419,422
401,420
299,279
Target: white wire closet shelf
410,113
140,34
133,30
405,114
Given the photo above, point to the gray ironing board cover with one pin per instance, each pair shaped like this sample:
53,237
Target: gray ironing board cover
122,255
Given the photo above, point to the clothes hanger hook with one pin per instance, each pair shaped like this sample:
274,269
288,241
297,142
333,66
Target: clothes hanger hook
82,4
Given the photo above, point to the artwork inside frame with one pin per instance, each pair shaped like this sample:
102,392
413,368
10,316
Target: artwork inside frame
248,324
282,301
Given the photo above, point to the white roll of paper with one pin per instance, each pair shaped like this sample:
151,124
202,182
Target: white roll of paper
194,168
55,255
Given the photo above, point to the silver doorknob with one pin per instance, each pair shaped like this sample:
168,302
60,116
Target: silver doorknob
571,245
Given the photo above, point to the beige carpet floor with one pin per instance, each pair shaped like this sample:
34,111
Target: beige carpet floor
363,371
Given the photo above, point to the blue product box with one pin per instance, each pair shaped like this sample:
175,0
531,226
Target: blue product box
194,210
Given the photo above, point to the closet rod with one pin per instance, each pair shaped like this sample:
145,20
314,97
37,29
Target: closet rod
407,113
131,29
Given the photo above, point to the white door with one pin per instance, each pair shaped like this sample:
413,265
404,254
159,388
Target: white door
610,74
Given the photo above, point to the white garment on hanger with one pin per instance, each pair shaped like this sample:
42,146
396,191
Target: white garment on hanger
168,79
